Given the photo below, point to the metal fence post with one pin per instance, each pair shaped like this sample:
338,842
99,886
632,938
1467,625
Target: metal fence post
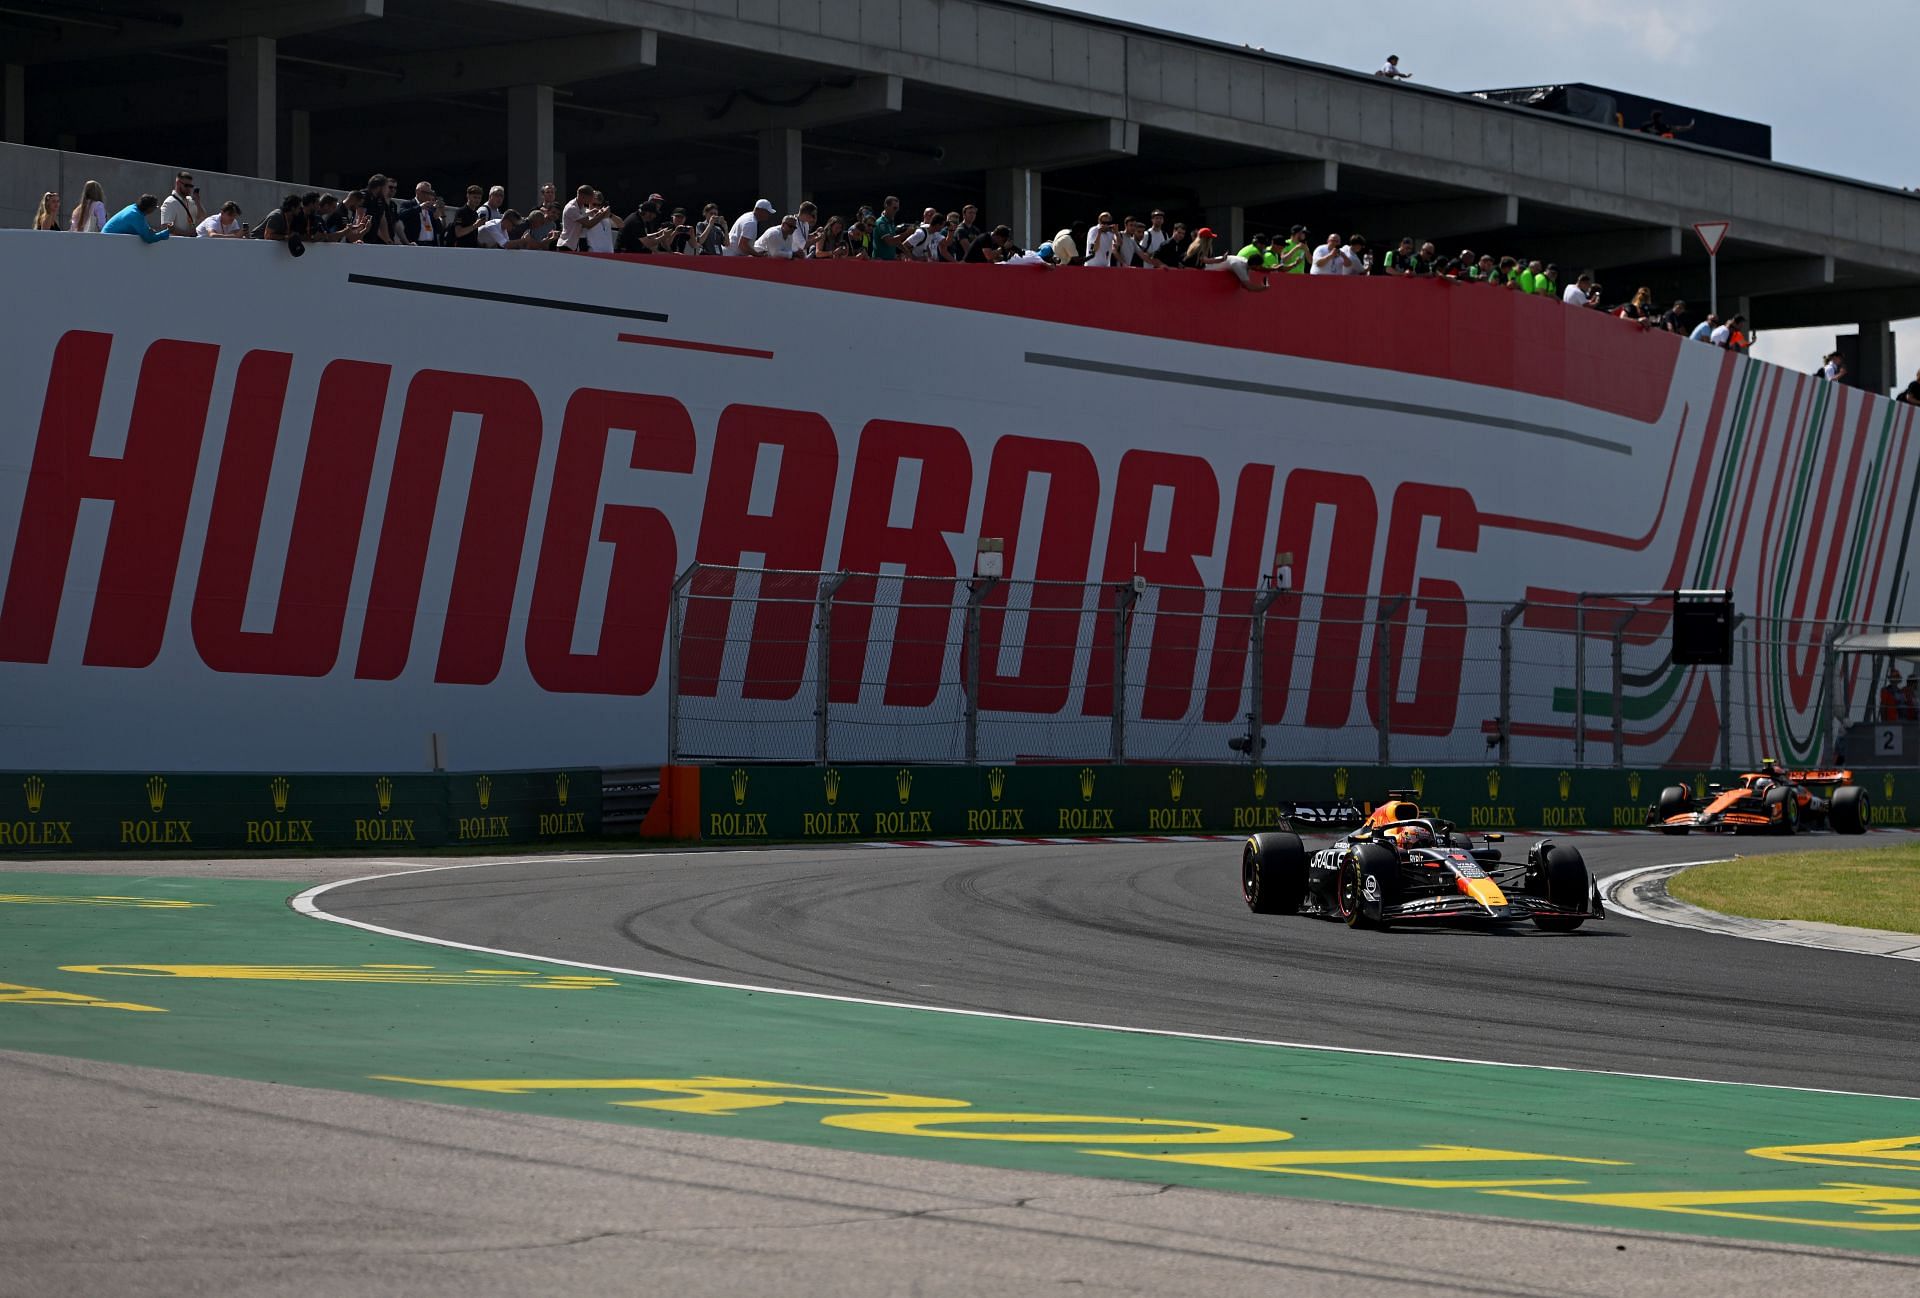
976,591
1383,650
1126,595
823,661
1830,721
1580,681
1726,697
674,596
1257,687
1508,617
1619,682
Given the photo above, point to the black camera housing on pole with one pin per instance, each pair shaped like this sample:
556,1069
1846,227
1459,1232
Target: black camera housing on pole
1702,628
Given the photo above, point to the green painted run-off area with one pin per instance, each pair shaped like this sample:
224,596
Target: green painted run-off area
236,984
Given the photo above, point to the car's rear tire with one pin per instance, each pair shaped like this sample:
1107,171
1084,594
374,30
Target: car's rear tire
1565,882
1788,816
1273,874
1851,811
1369,885
1674,801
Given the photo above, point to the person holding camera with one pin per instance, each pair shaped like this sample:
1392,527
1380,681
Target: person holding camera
224,224
675,238
710,234
1103,241
424,220
507,230
830,240
463,230
181,211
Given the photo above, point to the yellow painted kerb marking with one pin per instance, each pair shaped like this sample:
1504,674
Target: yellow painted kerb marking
711,1096
1170,1131
55,899
411,975
1875,1201
1896,1154
1328,1162
14,994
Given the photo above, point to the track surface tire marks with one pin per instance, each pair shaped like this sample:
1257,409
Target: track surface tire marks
110,1192
1155,936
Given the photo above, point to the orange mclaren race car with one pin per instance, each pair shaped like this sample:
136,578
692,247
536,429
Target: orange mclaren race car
1400,867
1767,801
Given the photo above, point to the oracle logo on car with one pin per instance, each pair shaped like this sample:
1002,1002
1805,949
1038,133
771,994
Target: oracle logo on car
507,541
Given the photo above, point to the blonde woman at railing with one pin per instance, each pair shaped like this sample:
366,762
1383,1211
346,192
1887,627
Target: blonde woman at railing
90,216
48,217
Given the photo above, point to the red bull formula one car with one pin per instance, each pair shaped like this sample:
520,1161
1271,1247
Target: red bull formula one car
1767,801
1402,867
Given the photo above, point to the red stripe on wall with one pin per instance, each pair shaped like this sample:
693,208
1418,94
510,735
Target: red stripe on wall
681,343
1436,328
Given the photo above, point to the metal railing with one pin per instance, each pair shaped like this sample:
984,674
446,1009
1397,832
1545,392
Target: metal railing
771,665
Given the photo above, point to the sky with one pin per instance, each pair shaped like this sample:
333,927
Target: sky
1835,83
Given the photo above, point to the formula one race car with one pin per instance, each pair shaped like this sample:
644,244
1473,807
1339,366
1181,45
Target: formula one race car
1402,867
1767,801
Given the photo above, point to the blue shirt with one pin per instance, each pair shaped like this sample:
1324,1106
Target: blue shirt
131,220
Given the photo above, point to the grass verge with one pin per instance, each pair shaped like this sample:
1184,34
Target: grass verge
1877,888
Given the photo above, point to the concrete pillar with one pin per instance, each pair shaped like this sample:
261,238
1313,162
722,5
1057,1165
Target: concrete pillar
1012,199
1229,224
531,161
13,104
300,146
780,168
1875,372
253,133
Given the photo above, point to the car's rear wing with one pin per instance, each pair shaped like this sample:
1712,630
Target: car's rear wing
1821,776
1339,813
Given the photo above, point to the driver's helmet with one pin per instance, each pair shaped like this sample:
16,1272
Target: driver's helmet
1408,837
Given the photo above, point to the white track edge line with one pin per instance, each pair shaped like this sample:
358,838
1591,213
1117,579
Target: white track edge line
1608,884
305,903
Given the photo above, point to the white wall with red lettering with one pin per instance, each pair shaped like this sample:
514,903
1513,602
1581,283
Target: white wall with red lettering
303,514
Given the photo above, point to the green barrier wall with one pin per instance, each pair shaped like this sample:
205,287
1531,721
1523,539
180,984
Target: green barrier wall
748,803
63,812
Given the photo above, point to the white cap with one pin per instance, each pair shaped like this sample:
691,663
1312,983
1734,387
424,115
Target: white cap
764,205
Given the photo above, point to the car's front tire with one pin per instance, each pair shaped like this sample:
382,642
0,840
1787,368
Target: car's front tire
1674,801
1564,880
1368,886
1784,809
1273,874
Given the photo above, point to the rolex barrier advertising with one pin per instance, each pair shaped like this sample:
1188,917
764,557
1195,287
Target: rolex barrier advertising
783,803
64,813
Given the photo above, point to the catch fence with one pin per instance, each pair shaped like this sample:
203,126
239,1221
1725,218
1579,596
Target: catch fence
784,666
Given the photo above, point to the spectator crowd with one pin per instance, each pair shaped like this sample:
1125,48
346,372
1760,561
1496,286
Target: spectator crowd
589,222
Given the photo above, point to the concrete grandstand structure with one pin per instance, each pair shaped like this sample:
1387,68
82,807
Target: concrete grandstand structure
1042,114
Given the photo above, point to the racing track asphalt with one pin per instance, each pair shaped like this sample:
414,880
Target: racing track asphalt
1156,936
